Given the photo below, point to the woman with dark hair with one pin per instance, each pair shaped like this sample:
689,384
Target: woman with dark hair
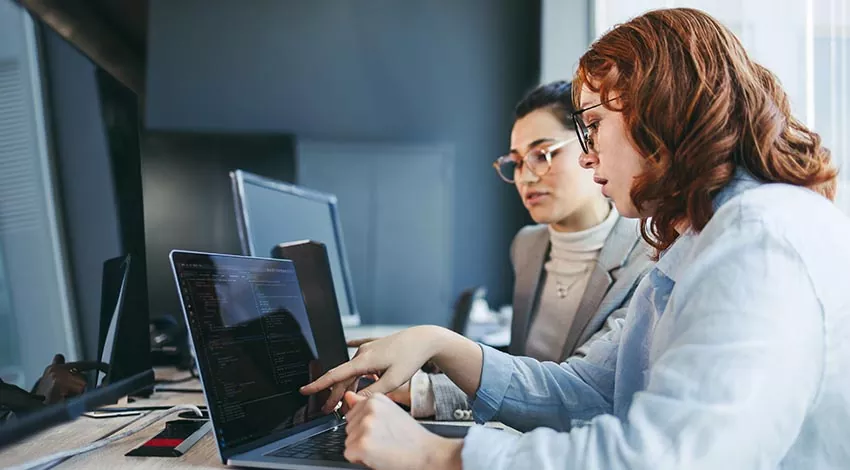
575,270
734,352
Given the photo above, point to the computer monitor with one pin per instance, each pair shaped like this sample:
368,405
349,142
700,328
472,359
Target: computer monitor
122,345
114,286
124,339
270,212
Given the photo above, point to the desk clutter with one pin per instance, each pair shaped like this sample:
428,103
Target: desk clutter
254,328
260,328
85,431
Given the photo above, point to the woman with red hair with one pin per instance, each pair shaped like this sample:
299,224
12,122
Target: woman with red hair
734,352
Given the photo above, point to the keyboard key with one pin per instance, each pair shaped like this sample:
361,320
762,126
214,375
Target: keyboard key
329,445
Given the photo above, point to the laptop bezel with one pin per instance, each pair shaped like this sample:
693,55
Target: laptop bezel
326,422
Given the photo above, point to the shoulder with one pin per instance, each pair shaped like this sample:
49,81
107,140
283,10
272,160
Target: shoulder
796,215
775,225
626,234
530,234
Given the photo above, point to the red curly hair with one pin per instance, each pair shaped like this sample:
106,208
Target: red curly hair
697,107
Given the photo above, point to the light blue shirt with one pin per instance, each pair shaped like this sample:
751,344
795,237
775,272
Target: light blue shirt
735,354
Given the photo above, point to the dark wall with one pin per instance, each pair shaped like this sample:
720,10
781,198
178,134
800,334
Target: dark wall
86,189
436,72
188,201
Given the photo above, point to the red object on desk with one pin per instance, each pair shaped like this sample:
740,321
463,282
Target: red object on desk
163,442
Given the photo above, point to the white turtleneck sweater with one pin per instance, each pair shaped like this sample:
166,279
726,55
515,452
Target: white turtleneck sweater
571,259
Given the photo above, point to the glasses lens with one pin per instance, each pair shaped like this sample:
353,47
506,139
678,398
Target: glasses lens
538,162
506,169
581,132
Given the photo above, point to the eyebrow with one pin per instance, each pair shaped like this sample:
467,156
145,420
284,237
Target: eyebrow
534,144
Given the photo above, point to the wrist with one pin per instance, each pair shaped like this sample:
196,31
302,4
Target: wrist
448,347
446,455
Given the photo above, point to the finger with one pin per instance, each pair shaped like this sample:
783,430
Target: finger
75,387
356,343
351,388
400,396
336,395
352,452
58,359
352,399
89,365
64,377
387,383
353,435
342,373
67,384
357,409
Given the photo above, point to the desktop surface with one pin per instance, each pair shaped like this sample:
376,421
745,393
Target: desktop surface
84,431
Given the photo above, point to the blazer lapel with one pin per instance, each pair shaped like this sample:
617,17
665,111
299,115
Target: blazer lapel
529,272
614,255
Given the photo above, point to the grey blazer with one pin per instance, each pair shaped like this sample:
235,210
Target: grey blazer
622,263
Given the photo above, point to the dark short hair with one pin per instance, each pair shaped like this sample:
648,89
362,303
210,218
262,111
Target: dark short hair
555,97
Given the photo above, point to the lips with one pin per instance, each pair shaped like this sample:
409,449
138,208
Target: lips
602,182
533,197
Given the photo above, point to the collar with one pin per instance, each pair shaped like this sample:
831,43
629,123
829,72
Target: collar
672,259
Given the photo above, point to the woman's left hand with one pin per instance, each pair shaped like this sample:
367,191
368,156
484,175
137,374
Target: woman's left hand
382,436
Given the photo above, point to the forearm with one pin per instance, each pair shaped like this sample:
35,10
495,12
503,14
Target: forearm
447,454
460,359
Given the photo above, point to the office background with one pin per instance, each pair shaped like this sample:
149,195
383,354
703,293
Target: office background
398,108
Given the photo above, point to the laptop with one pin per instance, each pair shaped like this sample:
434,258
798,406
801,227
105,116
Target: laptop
256,346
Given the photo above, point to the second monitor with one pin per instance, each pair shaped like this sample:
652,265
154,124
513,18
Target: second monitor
270,212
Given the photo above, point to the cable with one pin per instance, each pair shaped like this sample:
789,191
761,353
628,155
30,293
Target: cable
104,442
104,436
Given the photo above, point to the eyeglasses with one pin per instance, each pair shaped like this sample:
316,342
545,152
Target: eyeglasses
538,160
582,131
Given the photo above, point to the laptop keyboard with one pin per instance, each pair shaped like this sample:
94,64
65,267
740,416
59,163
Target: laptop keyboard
329,445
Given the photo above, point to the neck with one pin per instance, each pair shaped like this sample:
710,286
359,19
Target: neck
589,216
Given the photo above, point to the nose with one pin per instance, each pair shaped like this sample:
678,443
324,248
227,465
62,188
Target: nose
588,160
526,175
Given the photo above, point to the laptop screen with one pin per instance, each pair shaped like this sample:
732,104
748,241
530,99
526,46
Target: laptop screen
254,344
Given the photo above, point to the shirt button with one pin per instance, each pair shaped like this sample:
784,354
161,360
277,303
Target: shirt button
458,415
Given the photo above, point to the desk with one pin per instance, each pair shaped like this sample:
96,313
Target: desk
372,331
491,334
84,431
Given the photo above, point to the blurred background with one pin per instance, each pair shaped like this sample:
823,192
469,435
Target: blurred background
120,122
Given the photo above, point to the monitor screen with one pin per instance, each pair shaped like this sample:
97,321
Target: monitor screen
271,212
255,344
